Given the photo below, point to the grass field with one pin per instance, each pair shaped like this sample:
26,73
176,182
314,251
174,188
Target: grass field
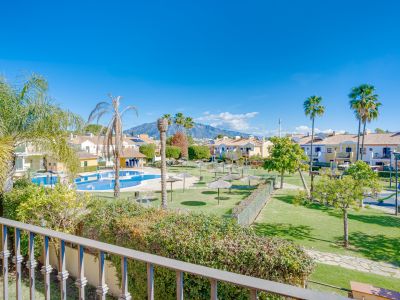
373,234
329,275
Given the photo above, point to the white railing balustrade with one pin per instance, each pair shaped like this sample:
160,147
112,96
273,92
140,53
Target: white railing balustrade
254,285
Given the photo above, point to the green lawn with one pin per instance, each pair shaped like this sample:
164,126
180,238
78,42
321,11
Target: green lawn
373,234
329,275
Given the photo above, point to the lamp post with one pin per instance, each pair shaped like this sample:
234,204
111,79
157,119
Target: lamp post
390,168
396,158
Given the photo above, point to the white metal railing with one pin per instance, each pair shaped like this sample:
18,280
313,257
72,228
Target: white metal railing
253,284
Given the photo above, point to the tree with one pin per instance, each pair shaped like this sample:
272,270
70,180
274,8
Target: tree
168,118
162,125
366,178
343,194
112,142
199,152
379,130
149,150
312,109
180,140
29,116
173,152
284,157
365,105
95,129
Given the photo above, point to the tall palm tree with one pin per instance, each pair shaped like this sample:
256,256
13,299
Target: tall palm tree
362,100
372,114
189,123
312,109
168,118
180,120
162,125
28,116
113,139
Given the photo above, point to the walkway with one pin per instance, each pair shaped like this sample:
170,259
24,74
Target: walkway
355,263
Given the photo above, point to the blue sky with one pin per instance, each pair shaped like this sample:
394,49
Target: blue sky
235,64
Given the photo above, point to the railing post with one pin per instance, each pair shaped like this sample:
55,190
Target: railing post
31,265
5,254
214,289
81,281
179,285
18,258
125,293
102,288
150,281
62,272
253,295
46,269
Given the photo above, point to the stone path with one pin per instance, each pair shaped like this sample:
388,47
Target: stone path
356,263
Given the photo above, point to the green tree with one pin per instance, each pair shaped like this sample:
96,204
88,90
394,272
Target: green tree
112,143
95,129
312,109
173,152
199,152
364,102
28,116
366,178
284,157
342,194
379,130
168,118
149,150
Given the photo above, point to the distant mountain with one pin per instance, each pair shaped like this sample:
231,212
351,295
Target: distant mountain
199,131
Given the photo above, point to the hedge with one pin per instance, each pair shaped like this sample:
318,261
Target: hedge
173,152
205,240
87,169
386,174
199,152
149,150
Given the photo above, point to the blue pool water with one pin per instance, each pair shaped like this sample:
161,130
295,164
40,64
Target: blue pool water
100,181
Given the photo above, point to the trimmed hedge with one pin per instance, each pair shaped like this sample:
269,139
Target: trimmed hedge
87,169
205,240
386,174
199,152
149,150
173,152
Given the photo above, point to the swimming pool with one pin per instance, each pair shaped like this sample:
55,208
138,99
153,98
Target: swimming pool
102,181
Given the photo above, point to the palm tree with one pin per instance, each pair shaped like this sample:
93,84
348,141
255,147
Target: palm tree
169,118
28,116
313,108
180,120
371,114
162,125
189,123
362,100
113,139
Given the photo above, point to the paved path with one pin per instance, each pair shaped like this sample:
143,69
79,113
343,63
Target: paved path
356,263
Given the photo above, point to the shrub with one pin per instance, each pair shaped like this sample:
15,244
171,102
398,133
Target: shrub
205,240
149,150
173,152
199,152
60,208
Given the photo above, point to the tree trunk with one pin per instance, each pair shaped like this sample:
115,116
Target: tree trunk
311,156
346,229
304,183
358,139
362,141
116,183
282,174
162,126
117,153
8,183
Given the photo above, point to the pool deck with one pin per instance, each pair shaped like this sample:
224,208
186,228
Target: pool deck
151,184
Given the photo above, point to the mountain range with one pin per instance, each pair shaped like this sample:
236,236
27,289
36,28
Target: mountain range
199,131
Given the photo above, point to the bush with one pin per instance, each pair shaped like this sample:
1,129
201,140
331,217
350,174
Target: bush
206,240
386,174
173,152
149,150
199,152
88,169
60,208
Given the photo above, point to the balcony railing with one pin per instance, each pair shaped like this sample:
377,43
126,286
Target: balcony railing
254,285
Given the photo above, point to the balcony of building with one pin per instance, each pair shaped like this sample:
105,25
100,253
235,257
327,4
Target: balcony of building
81,245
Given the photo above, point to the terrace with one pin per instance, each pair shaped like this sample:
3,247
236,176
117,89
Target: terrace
254,285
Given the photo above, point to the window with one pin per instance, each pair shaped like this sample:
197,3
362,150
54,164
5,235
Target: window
85,164
348,150
329,150
317,149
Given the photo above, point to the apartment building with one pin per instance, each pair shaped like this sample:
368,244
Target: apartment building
243,147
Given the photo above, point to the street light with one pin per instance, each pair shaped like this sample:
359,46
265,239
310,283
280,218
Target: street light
396,158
